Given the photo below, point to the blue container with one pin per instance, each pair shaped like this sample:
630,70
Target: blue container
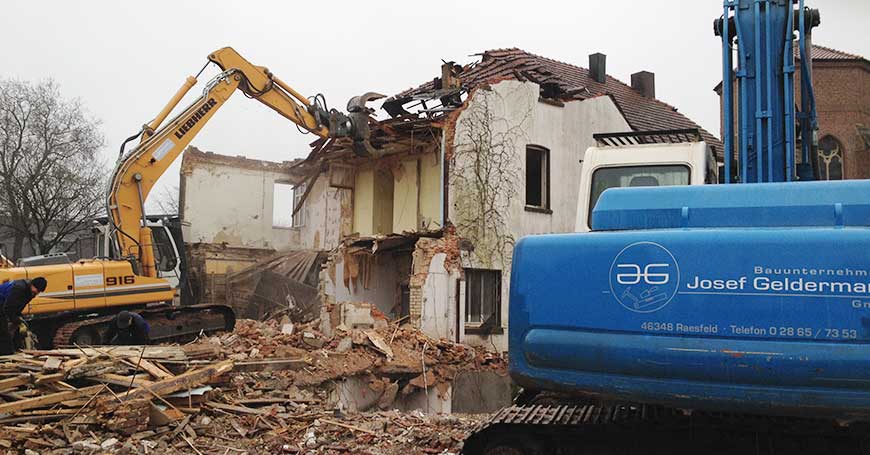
740,297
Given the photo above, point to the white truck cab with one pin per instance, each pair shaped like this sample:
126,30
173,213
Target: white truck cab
655,158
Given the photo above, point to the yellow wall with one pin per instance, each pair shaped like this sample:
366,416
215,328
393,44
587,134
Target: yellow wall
363,197
394,201
382,222
430,191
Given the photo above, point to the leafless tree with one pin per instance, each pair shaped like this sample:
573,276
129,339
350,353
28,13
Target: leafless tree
51,176
485,175
165,201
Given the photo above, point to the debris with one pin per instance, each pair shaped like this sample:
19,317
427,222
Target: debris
287,329
278,397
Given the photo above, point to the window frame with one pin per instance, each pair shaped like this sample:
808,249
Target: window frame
545,186
591,206
298,219
841,156
473,327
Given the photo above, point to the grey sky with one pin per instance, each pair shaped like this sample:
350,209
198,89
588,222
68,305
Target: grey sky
126,59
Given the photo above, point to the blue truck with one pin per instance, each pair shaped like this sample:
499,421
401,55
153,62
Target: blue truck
688,317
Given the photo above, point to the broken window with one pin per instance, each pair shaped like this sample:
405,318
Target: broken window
537,177
299,217
282,205
483,297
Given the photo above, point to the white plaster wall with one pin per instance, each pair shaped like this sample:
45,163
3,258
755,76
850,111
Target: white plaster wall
322,216
382,291
232,205
439,300
567,132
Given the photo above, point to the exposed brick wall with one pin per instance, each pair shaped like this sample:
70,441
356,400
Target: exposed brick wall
842,92
424,251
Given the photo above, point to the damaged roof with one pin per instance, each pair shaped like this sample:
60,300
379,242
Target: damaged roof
573,82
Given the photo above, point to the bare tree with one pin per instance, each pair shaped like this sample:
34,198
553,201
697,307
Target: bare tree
485,175
165,201
51,177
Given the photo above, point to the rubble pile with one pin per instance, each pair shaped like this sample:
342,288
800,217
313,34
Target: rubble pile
265,388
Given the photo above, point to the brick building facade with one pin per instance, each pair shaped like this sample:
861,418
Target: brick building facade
841,82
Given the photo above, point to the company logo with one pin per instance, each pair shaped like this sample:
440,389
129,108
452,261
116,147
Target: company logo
194,119
644,277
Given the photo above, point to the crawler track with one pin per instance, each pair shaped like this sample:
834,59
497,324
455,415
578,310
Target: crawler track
641,429
167,323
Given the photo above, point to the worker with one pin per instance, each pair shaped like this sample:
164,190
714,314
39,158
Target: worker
15,296
128,328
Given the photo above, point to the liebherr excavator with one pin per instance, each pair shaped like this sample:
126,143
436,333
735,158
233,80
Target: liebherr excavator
83,297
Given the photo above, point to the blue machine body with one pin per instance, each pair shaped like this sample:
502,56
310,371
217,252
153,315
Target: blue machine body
748,297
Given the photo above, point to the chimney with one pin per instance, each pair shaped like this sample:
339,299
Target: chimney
644,83
597,67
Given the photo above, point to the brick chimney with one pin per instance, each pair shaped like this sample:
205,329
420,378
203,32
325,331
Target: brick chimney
644,83
598,67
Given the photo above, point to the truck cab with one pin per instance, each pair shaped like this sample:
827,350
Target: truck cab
636,159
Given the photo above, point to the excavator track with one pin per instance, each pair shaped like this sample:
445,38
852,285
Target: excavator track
168,323
643,429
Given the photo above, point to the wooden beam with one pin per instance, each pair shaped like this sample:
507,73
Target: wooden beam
45,400
188,380
16,381
123,381
152,369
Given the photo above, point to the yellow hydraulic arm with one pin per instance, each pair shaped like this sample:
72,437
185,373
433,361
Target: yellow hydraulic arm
138,171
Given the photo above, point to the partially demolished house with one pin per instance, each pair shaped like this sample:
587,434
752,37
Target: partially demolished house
422,228
237,223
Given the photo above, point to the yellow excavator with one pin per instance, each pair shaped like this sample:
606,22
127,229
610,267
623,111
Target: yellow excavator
83,297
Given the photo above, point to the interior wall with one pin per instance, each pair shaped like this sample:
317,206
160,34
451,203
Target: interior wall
389,270
232,206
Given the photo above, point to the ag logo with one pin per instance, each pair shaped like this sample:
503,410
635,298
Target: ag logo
644,277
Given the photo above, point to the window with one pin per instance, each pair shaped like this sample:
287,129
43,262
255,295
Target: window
537,178
164,253
830,156
483,298
282,205
299,217
617,177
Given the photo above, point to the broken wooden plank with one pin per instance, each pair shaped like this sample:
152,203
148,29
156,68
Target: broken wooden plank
235,409
151,369
49,378
123,381
15,381
187,380
52,364
45,400
269,365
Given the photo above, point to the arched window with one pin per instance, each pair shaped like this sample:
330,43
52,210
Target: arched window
830,158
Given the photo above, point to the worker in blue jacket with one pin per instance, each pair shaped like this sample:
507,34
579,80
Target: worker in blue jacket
128,328
15,295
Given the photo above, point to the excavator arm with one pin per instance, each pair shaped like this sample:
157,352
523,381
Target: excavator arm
138,170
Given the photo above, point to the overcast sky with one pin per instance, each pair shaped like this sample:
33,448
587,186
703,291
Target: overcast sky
125,59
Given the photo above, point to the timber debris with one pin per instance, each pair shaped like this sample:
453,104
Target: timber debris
259,389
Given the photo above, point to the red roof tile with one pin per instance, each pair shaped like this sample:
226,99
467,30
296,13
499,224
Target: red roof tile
641,113
827,53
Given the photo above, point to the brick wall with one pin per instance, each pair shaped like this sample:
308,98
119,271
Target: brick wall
842,90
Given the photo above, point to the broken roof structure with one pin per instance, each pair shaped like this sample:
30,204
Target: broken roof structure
558,80
416,113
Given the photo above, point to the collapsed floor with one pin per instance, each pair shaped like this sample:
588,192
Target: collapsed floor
268,387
